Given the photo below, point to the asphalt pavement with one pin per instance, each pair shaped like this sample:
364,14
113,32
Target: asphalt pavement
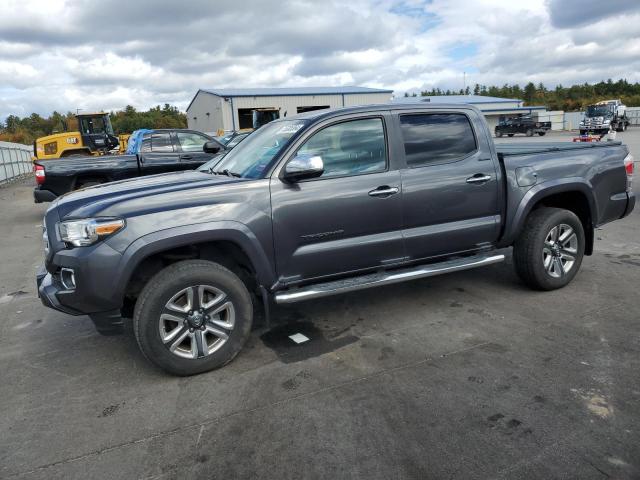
467,376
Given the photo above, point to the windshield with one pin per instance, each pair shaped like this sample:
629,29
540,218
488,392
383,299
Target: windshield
598,111
253,156
207,167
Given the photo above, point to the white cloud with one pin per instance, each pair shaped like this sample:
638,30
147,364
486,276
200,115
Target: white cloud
109,53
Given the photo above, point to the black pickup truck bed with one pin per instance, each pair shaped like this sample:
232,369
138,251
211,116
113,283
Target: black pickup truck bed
160,151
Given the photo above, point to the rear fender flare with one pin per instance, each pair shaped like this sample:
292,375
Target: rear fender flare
541,191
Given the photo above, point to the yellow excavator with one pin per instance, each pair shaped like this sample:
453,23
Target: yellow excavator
92,134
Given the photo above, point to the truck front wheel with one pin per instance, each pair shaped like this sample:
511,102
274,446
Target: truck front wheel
549,251
193,316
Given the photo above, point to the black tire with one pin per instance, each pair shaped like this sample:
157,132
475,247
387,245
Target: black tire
163,287
499,134
88,183
76,154
541,133
530,247
510,134
529,133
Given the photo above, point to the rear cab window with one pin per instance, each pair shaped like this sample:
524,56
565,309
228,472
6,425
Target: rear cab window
436,138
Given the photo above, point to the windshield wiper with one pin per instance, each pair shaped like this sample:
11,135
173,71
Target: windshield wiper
226,172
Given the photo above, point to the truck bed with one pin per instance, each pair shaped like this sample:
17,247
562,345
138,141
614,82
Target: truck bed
517,148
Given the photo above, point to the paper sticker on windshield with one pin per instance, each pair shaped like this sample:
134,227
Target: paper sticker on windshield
290,127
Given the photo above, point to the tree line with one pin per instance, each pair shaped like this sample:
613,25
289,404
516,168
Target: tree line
26,130
569,99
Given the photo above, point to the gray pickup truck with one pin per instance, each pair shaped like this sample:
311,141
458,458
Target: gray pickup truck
322,203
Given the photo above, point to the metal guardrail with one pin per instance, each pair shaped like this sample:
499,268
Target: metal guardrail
15,161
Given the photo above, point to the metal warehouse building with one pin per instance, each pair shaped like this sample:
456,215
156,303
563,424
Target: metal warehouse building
233,108
492,107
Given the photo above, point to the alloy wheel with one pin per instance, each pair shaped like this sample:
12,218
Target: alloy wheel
196,321
560,250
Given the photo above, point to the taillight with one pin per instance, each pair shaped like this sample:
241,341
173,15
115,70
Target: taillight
628,167
40,175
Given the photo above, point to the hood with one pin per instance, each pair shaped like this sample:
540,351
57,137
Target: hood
92,200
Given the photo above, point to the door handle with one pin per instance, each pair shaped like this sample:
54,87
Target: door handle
186,157
479,178
383,191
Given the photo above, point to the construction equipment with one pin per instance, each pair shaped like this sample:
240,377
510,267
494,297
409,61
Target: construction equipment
604,116
93,135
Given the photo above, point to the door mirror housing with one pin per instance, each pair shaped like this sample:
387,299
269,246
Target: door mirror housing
303,166
211,147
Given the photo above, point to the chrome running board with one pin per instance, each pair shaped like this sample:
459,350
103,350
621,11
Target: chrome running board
384,278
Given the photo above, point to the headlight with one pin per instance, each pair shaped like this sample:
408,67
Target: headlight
88,231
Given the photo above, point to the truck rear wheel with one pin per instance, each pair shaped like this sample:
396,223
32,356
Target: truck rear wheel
541,133
193,316
88,182
549,251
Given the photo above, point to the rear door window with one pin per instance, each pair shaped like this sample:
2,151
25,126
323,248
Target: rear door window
434,138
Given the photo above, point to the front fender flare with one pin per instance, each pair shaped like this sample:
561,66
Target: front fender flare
174,237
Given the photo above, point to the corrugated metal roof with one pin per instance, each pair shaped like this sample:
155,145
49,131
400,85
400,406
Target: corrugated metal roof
289,91
471,99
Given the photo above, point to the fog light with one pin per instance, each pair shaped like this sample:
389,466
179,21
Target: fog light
68,278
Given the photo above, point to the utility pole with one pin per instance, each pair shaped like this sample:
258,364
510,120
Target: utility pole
464,81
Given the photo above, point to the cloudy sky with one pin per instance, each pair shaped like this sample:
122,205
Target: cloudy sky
63,55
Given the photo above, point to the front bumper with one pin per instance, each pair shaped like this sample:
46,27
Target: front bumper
40,195
48,289
51,291
94,293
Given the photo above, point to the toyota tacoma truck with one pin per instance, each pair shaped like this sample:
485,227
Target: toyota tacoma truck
322,203
149,152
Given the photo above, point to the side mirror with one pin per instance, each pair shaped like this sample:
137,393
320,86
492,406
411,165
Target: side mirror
211,147
303,166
